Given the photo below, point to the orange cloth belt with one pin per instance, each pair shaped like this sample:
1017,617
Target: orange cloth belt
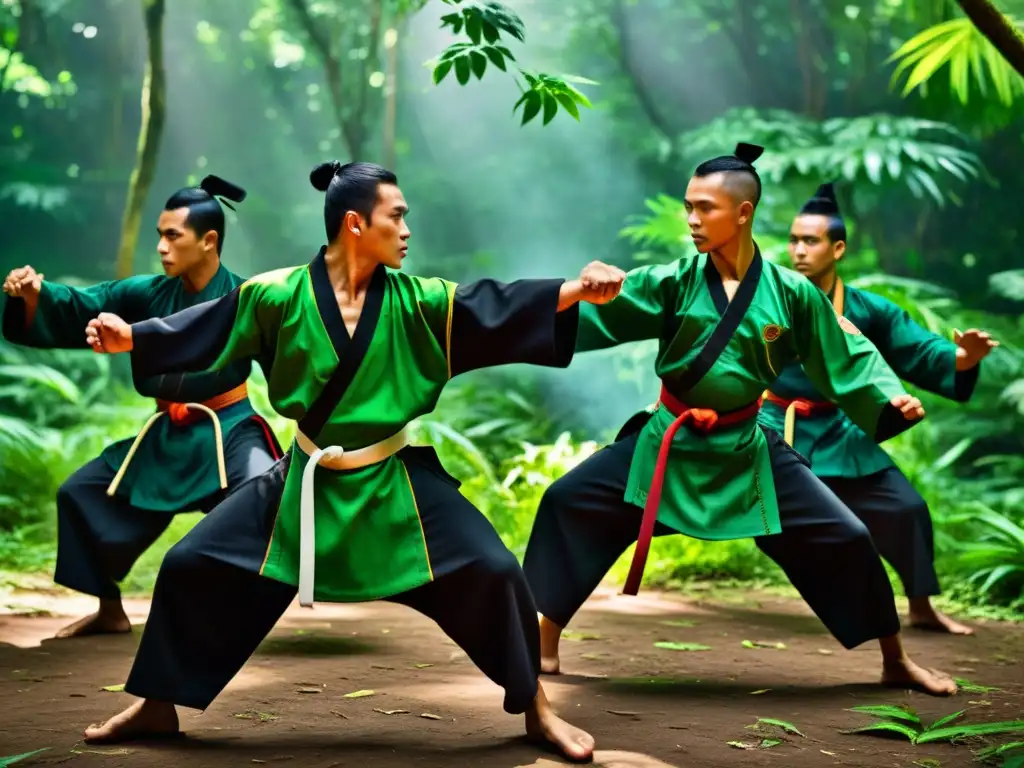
186,413
798,406
704,420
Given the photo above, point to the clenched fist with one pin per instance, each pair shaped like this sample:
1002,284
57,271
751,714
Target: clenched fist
24,283
600,282
909,406
108,333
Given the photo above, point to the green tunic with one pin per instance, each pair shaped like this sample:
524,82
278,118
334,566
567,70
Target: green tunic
720,486
413,335
831,441
175,466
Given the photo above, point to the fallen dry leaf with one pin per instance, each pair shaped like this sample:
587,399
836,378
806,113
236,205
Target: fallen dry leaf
113,688
430,716
622,713
108,752
379,666
263,717
757,693
759,644
308,690
342,715
392,711
359,694
741,745
826,752
576,637
422,666
823,652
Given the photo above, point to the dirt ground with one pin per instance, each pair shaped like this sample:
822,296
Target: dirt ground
648,707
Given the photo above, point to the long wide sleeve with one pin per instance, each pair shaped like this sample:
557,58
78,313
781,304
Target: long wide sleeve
491,323
63,312
917,355
206,337
638,313
845,365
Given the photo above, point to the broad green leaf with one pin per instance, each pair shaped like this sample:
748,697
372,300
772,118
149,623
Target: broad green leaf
496,58
441,71
474,25
491,34
769,743
462,69
578,79
453,20
550,107
873,166
945,720
531,106
579,97
887,726
893,711
479,62
568,104
962,731
950,457
668,646
997,574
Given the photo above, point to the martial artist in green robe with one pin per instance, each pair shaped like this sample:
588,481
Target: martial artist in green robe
727,322
849,461
204,437
353,513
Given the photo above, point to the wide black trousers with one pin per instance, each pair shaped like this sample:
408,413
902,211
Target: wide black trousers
899,522
100,537
584,525
211,607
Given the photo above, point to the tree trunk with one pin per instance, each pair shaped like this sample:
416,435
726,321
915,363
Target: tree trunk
645,99
998,29
391,96
150,129
332,75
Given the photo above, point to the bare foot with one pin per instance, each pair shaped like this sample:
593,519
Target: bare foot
907,674
143,719
97,623
544,727
550,634
924,616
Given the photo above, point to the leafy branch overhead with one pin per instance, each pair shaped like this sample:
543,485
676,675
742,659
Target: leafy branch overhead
484,23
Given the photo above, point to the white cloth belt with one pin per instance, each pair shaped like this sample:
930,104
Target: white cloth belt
337,458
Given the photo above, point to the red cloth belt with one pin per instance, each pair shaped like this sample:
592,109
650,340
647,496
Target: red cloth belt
800,405
704,420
